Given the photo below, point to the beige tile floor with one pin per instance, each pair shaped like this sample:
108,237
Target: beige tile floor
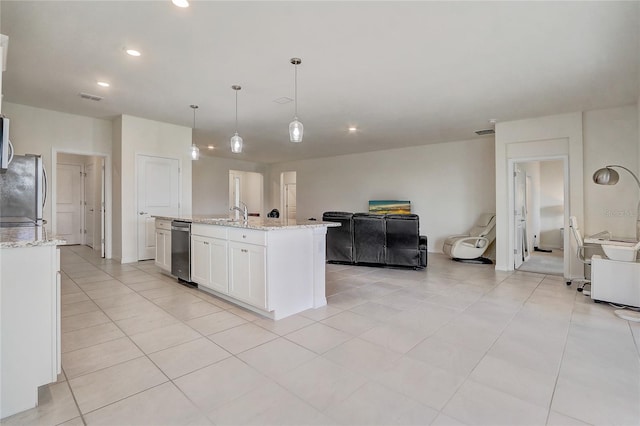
454,344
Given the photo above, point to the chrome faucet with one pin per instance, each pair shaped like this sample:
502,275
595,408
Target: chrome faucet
243,210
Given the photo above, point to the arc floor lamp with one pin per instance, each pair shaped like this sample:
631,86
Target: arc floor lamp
608,176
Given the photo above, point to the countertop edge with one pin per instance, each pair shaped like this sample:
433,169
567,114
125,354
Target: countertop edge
258,224
24,244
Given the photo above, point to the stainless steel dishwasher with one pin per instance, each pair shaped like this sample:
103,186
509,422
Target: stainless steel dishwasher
181,250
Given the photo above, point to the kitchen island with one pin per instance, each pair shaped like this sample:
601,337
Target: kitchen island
29,315
275,267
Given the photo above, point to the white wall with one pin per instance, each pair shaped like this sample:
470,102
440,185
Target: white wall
141,136
211,183
551,204
46,132
449,184
553,136
250,192
611,137
591,140
253,192
1,72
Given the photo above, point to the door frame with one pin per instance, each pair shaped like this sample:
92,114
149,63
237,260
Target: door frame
106,190
235,191
85,206
567,247
283,209
517,243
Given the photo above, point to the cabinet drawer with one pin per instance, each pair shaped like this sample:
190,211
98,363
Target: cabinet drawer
249,236
213,231
163,224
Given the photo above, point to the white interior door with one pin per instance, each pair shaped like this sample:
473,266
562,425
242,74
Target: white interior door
158,182
290,200
68,203
89,204
520,222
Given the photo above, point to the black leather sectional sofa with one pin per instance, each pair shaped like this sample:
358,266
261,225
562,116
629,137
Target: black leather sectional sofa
376,239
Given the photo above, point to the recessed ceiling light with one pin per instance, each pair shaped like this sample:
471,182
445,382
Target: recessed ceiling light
103,84
210,147
353,129
133,52
180,3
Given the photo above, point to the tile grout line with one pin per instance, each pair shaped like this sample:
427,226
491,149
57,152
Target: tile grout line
169,380
564,348
73,395
468,377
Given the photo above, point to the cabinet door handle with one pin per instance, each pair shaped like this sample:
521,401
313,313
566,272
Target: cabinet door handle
244,250
244,236
206,243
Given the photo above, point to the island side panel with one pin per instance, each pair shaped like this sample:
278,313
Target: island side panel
319,266
29,322
290,271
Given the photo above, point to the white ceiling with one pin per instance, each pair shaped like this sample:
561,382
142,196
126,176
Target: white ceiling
406,73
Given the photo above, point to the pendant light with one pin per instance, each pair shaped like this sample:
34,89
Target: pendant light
194,150
296,128
236,140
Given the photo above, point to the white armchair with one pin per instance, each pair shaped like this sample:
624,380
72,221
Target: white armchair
471,246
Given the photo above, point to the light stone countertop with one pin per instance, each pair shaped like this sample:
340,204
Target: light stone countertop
259,223
27,236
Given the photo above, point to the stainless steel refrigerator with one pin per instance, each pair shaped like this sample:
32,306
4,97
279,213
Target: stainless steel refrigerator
23,191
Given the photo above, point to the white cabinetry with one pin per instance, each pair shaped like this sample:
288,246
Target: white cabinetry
231,262
163,244
247,274
30,324
200,260
277,272
209,263
219,277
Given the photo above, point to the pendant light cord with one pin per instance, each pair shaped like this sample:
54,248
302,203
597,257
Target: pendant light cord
295,90
236,112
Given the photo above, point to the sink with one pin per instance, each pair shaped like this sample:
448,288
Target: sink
621,253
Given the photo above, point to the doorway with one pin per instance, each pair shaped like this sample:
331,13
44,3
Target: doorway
80,200
247,188
539,216
288,194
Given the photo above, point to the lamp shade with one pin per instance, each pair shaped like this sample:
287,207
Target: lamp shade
296,129
236,144
606,176
195,152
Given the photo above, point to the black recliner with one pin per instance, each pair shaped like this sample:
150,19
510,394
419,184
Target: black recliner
405,246
340,238
369,238
375,239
